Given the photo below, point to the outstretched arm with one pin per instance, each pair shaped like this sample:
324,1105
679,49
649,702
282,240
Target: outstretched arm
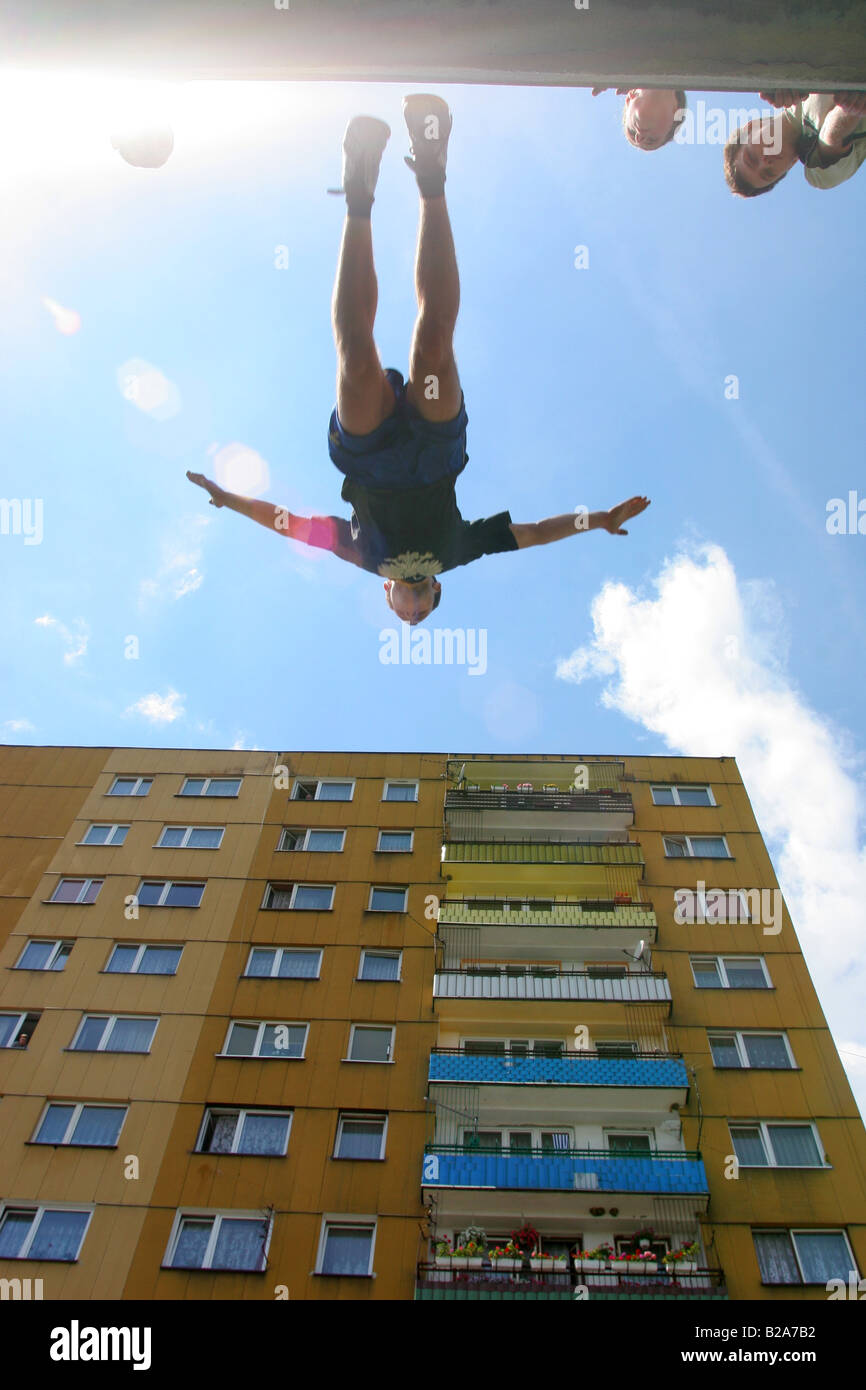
319,531
839,124
559,528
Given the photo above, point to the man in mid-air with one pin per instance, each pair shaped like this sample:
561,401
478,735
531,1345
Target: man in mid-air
401,445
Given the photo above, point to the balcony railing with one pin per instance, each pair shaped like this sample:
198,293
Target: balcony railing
557,912
535,983
585,803
437,1281
565,1170
649,1069
525,851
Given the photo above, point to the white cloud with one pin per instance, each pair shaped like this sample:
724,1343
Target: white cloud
241,743
702,664
179,571
74,641
19,726
159,709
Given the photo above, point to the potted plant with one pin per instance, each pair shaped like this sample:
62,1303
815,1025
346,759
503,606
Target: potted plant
683,1261
505,1256
526,1239
469,1250
591,1261
643,1262
539,1259
443,1253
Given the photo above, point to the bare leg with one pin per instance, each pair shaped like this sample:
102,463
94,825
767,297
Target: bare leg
434,386
364,394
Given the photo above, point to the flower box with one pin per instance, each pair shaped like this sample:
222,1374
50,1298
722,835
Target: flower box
506,1262
592,1266
548,1262
683,1266
466,1261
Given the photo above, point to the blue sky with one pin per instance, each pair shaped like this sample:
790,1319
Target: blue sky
583,386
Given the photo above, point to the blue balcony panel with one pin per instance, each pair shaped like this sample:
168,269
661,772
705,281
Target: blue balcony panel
569,1172
570,1070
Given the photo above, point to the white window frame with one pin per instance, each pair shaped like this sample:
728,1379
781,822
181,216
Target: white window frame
686,787
87,884
39,1209
112,1019
306,832
78,1107
691,852
188,829
21,1016
57,942
380,951
280,952
701,912
505,1131
633,1132
387,888
275,884
371,1061
764,1126
216,1218
792,1232
739,1035
167,885
370,1117
396,830
262,1024
335,1219
241,1112
221,796
112,826
128,777
719,962
141,948
322,782
401,782
509,1044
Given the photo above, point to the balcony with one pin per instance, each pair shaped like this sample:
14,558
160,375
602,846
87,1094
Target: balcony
438,1282
592,913
531,983
643,1069
537,810
526,851
675,1173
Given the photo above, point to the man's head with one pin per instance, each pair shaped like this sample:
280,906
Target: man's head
650,118
758,156
412,602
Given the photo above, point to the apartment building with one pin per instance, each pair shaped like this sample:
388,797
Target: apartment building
315,1025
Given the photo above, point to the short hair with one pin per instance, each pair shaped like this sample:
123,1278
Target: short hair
679,117
436,598
734,179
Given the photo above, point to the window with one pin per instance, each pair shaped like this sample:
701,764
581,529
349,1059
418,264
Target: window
608,970
16,1030
346,1247
400,791
169,893
361,1136
217,1241
44,955
284,963
713,905
144,960
84,1126
130,786
634,1144
42,1233
387,900
768,1145
190,837
395,841
696,847
803,1257
515,1047
380,965
682,796
114,1033
298,897
105,835
77,890
370,1044
211,786
548,1141
262,1132
315,841
730,972
324,789
769,1051
283,1040
607,1047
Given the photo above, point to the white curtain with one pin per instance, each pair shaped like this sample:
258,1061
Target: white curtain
776,1258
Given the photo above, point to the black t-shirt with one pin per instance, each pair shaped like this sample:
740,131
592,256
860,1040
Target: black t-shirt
412,533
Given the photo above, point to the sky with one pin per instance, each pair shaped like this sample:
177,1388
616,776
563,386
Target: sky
626,326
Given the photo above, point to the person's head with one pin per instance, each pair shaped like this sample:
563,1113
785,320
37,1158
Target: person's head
651,118
413,602
145,147
756,157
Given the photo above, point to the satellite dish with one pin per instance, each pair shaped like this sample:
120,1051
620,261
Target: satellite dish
461,776
638,952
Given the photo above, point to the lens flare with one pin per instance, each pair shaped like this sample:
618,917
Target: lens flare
66,321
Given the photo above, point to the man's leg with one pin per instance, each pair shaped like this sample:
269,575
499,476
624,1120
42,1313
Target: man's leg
433,386
364,394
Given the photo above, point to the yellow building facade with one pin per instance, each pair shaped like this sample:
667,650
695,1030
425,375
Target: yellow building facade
338,1026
